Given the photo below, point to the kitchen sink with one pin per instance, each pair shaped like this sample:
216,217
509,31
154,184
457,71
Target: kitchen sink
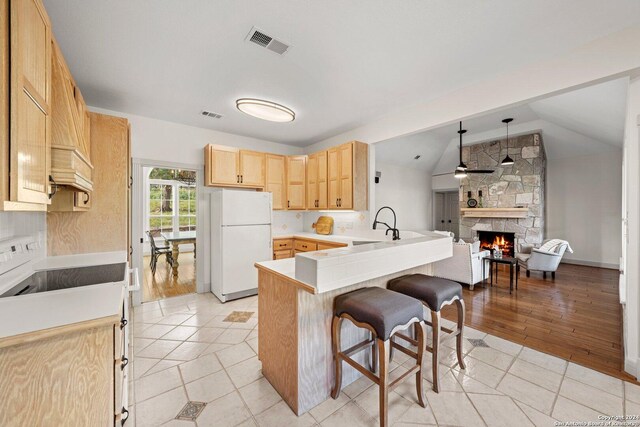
364,242
53,280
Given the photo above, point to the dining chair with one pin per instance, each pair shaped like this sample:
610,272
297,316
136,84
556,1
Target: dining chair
156,251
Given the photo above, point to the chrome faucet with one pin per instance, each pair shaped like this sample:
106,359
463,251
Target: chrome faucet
394,229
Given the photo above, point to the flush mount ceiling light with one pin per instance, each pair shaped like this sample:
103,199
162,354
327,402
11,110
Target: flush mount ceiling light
507,161
265,110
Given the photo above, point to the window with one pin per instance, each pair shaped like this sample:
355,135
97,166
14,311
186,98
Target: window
187,208
160,208
171,201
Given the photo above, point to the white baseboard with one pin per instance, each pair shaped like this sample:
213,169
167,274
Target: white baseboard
631,367
591,264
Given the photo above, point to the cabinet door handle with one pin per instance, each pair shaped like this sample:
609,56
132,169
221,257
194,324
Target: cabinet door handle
123,323
288,203
238,179
124,363
125,416
241,179
86,200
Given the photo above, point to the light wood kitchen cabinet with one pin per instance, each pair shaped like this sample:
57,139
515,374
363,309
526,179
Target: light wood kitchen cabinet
105,226
70,163
252,168
276,180
25,113
332,179
288,247
317,181
347,170
222,165
69,375
296,182
232,167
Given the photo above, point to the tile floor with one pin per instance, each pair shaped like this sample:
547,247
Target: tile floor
185,351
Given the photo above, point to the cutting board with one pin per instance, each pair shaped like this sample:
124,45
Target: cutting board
324,225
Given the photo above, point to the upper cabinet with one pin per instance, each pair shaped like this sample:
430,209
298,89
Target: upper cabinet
252,168
347,171
296,182
276,180
334,179
231,167
317,181
70,162
222,165
25,128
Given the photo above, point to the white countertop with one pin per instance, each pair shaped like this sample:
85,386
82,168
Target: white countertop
35,312
331,269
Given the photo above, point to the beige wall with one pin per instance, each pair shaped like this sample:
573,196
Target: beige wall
584,206
408,192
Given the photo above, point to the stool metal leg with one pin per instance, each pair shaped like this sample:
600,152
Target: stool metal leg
435,362
384,348
460,306
335,343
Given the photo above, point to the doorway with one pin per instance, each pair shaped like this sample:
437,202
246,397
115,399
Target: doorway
447,212
168,204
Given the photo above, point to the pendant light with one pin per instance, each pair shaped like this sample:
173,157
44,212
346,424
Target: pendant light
461,170
507,161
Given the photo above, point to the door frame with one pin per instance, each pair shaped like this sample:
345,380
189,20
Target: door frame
138,215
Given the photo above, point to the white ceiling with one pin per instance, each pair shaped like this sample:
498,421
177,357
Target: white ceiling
351,62
586,121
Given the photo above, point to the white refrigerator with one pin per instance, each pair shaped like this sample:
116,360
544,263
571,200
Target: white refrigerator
240,237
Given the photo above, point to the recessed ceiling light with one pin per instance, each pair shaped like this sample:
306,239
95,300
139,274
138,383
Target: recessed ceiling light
265,110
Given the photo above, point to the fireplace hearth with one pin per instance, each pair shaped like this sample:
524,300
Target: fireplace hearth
505,240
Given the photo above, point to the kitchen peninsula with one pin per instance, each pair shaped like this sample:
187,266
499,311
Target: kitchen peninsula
295,300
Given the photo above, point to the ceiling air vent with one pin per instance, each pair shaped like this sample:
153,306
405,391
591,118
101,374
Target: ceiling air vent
211,114
261,39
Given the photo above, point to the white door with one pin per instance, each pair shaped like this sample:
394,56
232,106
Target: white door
242,246
246,207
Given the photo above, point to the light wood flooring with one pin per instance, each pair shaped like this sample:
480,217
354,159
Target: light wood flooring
577,316
163,285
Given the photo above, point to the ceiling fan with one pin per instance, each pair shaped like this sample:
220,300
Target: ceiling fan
462,170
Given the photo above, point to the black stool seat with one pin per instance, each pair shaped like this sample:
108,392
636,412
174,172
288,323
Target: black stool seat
434,291
380,308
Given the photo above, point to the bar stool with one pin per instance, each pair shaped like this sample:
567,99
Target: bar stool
383,313
435,293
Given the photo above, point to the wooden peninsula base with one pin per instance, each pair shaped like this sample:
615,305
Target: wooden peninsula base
294,333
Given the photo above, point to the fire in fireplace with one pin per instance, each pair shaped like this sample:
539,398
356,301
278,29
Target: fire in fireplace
504,240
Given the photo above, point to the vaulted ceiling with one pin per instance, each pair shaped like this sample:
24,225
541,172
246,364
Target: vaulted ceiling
350,61
581,122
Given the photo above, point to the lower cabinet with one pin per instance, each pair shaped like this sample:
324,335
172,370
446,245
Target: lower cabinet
73,375
289,247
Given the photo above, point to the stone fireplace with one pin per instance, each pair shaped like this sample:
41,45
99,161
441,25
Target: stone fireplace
521,185
504,240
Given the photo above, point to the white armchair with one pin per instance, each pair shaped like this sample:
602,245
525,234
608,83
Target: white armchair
545,258
465,266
